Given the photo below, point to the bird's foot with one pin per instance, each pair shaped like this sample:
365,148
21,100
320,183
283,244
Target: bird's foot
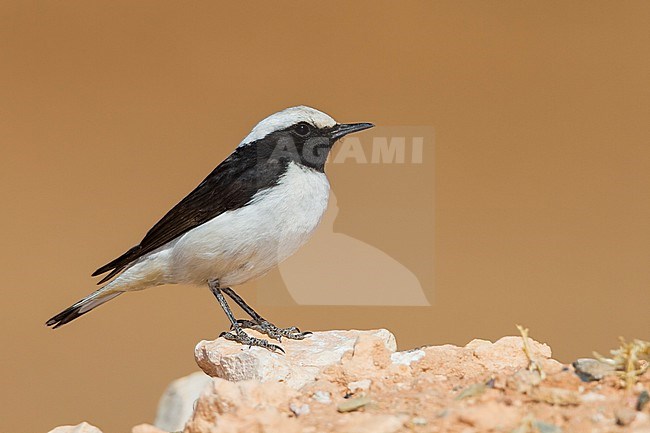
241,337
273,331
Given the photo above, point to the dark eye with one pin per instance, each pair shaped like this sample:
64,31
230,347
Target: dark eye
302,129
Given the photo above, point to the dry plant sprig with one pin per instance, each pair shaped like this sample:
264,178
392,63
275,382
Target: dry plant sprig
630,360
533,365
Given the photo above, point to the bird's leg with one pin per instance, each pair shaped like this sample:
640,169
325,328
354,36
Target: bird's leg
236,332
262,325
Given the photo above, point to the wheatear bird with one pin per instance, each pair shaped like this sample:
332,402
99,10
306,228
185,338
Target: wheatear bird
254,210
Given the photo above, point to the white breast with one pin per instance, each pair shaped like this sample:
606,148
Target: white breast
243,244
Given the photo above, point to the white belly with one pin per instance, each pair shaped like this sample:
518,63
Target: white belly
243,244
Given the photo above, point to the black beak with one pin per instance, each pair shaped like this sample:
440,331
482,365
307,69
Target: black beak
341,130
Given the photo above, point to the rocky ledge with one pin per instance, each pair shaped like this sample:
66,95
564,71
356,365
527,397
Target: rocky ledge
356,382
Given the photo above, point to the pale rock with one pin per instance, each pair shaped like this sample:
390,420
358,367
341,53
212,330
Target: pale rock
524,380
448,360
507,353
589,369
245,406
302,362
407,357
177,403
369,354
479,357
148,428
84,427
305,390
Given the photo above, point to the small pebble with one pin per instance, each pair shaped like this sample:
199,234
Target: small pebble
322,397
419,421
299,410
362,385
471,391
591,397
589,369
597,418
642,400
624,416
544,427
353,404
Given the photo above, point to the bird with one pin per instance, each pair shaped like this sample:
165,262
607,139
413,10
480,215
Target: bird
255,209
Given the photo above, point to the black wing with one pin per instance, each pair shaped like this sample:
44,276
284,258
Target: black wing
230,186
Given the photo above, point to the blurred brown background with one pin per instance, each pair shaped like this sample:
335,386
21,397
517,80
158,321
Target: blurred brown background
111,111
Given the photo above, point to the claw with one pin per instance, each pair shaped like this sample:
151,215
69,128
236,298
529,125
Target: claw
245,339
